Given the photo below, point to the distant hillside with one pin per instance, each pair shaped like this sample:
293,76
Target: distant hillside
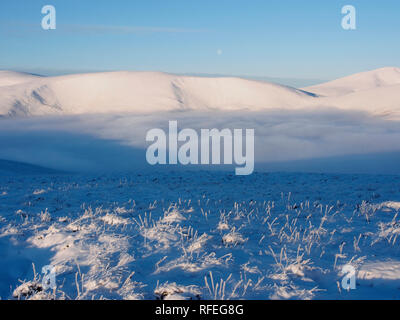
16,168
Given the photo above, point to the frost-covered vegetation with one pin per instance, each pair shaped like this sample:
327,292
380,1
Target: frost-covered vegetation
199,235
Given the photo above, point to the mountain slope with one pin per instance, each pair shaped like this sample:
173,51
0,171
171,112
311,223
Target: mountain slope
376,92
20,168
383,77
379,101
10,78
143,92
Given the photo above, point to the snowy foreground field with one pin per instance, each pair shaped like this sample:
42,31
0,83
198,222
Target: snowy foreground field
199,235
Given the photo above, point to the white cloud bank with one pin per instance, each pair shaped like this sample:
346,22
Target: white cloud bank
91,142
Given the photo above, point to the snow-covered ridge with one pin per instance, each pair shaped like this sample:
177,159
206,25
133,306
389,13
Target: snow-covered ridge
370,80
10,78
376,92
143,92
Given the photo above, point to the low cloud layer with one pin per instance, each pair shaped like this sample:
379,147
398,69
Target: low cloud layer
97,142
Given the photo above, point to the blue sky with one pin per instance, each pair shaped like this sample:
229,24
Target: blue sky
275,38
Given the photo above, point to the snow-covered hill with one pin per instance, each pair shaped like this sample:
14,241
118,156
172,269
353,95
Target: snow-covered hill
370,80
20,168
377,92
143,92
10,78
382,101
